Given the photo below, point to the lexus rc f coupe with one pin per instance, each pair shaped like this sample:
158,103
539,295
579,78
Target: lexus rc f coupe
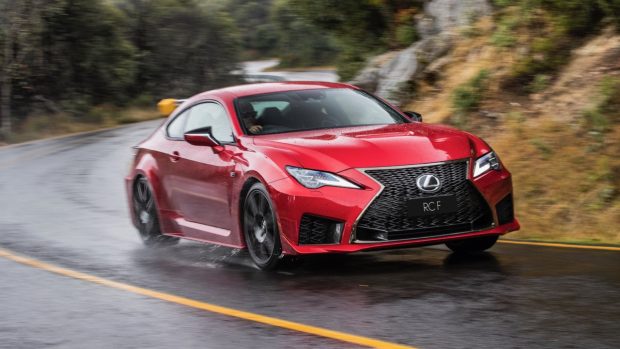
296,168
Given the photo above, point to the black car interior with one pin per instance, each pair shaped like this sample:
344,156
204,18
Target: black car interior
315,109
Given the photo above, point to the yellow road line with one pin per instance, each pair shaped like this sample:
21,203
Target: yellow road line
551,244
267,320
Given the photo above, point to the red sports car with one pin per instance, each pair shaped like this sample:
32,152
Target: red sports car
295,168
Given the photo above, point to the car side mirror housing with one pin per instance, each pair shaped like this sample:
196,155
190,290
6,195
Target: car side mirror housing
413,115
201,137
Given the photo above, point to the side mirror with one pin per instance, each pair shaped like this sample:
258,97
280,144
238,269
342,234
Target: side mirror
201,136
413,115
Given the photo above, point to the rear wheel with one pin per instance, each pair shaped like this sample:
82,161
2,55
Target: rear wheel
145,213
478,244
260,228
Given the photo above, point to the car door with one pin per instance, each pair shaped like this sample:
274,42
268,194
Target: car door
202,182
167,158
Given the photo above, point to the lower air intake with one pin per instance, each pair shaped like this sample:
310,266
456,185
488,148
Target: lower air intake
505,210
315,230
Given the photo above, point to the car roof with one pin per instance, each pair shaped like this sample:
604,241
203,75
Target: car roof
272,87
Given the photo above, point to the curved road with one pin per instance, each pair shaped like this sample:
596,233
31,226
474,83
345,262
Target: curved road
256,70
62,202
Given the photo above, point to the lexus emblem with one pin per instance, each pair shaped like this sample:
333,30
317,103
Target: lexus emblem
428,183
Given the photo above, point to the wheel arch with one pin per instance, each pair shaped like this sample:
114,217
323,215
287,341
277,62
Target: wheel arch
146,167
250,180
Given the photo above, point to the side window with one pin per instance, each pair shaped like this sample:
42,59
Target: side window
214,115
175,128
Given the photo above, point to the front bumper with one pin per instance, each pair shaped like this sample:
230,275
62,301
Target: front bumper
293,201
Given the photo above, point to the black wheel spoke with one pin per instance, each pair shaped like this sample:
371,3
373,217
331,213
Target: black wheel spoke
148,206
269,241
252,205
262,205
264,250
141,191
137,206
249,219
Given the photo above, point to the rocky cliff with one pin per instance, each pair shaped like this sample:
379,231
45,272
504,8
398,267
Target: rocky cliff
389,74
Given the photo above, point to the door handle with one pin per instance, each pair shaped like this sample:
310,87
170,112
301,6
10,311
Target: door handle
175,156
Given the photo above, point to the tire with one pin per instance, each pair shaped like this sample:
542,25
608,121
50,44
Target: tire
145,212
472,245
260,228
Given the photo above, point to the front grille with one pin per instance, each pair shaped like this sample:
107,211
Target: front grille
315,230
386,218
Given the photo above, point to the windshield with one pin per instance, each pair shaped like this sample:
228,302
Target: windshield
311,110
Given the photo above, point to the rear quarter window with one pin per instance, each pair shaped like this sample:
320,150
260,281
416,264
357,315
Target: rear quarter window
176,128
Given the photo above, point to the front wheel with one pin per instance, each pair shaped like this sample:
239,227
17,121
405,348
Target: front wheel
473,245
145,212
260,228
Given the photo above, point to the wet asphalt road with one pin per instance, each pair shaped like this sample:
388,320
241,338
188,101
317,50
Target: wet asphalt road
62,201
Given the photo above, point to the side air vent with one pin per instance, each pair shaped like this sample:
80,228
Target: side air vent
505,210
315,230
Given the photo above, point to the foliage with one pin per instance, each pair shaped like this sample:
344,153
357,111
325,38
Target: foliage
405,32
563,204
554,28
540,83
85,53
299,42
258,35
73,54
467,97
606,111
504,36
362,28
182,49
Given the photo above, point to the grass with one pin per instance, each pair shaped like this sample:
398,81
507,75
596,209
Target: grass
467,97
39,126
563,192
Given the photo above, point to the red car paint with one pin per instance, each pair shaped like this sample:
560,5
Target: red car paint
198,189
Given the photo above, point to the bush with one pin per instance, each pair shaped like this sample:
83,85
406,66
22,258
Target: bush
540,83
610,95
504,36
406,34
547,56
467,97
599,119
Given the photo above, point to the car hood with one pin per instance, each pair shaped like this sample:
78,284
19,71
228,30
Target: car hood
337,150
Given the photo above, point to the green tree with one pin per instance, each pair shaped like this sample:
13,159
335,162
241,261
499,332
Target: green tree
362,28
20,27
258,36
182,48
86,54
59,50
299,42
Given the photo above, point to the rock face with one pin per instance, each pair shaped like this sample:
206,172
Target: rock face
388,75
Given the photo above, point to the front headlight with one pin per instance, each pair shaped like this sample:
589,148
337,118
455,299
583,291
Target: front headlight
315,179
485,163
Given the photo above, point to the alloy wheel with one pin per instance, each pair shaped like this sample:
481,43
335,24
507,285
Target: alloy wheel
261,232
